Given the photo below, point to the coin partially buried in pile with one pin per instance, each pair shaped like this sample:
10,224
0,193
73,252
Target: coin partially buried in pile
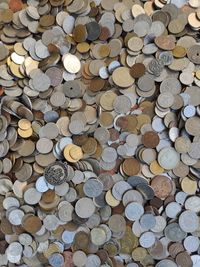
100,133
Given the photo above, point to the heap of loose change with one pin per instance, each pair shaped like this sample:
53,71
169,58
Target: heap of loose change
100,133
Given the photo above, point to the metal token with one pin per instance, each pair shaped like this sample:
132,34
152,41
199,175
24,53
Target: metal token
56,173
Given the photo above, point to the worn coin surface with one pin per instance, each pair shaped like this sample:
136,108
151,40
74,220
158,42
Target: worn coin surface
56,173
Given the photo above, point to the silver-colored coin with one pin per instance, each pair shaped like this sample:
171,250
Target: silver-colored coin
10,202
25,239
147,221
84,207
51,222
147,239
15,216
168,158
173,209
174,232
32,196
93,188
14,252
189,221
41,184
134,211
56,260
109,154
68,236
191,243
192,203
166,263
120,188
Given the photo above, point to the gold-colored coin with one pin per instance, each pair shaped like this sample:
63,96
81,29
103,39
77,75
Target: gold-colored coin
76,153
53,248
189,186
58,232
155,168
129,241
142,119
6,15
104,51
90,146
15,69
198,74
113,202
75,149
194,21
106,119
139,254
83,47
179,51
98,152
111,249
25,133
107,100
24,124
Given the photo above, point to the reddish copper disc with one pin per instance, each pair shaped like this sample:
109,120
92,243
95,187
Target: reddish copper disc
162,186
150,139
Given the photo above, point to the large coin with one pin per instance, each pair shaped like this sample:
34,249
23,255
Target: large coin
56,173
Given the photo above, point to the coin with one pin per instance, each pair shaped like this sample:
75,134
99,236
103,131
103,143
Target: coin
56,173
168,158
86,203
162,186
71,63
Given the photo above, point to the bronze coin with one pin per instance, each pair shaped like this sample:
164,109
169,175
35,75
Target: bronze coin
32,224
131,166
49,196
80,33
96,84
137,70
105,34
162,186
175,249
165,42
183,259
150,139
15,5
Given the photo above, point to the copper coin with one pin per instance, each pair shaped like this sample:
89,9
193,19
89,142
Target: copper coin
131,166
162,186
183,259
137,70
150,139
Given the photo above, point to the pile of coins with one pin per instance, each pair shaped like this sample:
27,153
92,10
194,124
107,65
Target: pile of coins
100,133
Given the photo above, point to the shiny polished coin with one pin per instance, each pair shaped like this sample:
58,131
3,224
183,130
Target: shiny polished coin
71,63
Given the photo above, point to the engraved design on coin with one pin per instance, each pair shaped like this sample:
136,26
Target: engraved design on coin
56,173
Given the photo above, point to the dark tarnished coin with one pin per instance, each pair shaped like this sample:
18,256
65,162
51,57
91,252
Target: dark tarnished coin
93,30
56,173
